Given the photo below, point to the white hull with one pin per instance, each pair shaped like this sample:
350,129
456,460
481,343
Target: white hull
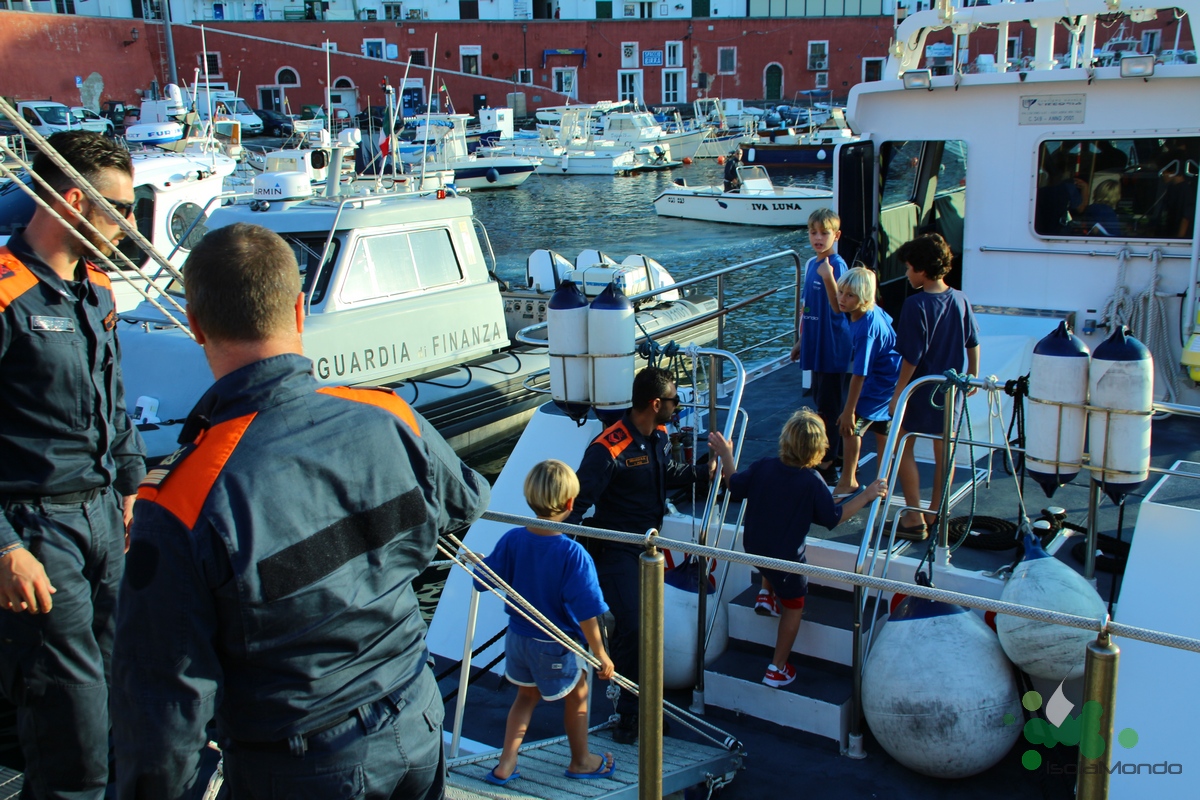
782,207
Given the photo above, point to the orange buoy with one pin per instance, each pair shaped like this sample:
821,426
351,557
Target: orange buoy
720,159
686,160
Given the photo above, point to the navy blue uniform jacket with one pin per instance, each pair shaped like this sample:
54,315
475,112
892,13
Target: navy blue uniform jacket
63,426
269,579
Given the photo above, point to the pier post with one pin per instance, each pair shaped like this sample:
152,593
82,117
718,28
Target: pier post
650,670
1099,686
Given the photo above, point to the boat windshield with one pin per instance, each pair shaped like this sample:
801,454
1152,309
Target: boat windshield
308,249
1129,188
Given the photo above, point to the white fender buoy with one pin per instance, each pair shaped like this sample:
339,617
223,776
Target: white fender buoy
1042,649
492,175
567,335
611,336
952,726
679,635
1121,378
1054,434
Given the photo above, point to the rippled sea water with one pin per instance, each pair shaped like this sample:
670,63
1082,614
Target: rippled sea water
616,216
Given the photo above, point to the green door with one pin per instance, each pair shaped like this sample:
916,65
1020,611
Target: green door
700,8
774,83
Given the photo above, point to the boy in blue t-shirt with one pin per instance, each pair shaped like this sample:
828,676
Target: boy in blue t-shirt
823,337
937,332
785,497
874,367
557,576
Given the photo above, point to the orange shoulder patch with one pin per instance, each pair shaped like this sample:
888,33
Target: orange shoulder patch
616,438
182,481
98,276
15,278
380,398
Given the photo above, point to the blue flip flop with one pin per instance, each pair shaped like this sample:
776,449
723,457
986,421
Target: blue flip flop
496,780
606,769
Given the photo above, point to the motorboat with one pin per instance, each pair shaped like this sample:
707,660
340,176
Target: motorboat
757,201
639,129
572,148
399,292
795,148
440,143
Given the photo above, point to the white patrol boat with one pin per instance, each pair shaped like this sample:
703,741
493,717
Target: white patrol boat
757,201
398,290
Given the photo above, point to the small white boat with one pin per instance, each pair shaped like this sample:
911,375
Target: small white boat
757,201
574,149
441,142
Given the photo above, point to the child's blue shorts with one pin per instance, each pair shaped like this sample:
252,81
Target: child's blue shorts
549,666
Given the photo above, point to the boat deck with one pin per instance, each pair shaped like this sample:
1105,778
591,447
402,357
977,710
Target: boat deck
685,764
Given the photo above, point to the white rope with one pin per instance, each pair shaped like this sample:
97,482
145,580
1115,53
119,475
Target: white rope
1148,321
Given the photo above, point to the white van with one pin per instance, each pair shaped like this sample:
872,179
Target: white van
48,117
224,103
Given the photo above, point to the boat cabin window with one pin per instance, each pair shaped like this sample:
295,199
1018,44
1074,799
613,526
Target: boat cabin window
389,265
1127,188
308,251
922,190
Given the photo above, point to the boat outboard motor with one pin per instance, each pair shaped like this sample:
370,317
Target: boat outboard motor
611,336
1121,378
593,258
567,334
1055,434
545,270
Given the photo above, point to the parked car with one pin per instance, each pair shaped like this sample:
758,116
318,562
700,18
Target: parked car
90,120
275,123
117,111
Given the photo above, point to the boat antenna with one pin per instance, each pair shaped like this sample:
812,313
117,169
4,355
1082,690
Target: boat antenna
210,128
397,98
328,90
428,107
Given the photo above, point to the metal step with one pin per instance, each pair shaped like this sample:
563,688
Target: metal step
818,701
10,783
684,764
826,632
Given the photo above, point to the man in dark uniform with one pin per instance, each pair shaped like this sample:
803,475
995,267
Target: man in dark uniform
70,468
732,162
625,474
269,582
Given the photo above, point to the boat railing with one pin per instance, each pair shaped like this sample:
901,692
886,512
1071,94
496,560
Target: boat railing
875,554
534,335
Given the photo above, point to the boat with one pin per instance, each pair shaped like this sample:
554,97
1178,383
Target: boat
795,148
757,201
926,162
399,292
639,129
440,143
572,148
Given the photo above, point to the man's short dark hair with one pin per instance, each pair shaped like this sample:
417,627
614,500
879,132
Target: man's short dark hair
88,152
928,253
241,283
650,383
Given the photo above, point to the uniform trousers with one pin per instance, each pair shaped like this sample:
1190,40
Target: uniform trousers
617,567
55,667
387,750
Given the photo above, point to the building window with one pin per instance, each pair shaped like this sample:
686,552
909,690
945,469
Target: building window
674,83
213,64
629,85
286,76
373,48
604,9
726,60
564,81
872,69
818,56
64,6
417,58
525,76
629,55
393,11
469,57
343,83
674,54
822,80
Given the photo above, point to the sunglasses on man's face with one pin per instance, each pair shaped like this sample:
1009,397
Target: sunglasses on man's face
123,208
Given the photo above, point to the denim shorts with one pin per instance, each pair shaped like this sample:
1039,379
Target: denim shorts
549,666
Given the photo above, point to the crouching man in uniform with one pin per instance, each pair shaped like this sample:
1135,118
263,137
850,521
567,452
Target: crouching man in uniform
269,579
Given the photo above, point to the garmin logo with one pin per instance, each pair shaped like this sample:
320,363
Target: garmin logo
268,191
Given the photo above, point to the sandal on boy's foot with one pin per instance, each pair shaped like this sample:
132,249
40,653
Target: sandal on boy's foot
913,533
496,780
841,497
766,604
608,766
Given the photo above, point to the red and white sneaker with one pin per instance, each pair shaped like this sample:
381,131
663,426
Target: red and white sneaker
766,604
779,677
